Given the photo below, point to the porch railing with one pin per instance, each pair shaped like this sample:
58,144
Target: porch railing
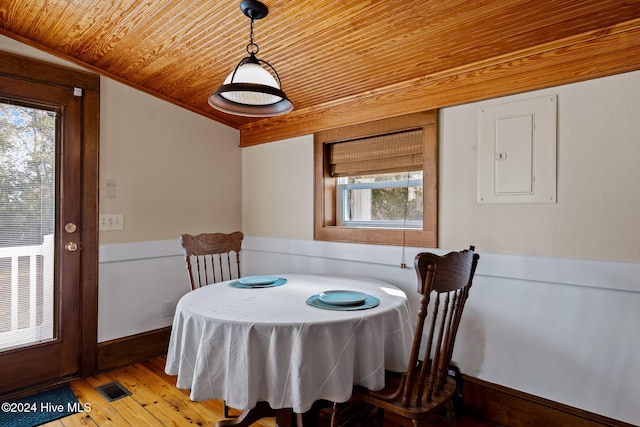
26,292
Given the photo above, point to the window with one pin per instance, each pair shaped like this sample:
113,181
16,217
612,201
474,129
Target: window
377,182
380,200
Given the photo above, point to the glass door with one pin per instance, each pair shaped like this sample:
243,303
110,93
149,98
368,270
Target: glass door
27,224
40,207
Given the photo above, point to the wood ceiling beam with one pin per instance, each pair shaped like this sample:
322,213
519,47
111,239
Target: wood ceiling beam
590,55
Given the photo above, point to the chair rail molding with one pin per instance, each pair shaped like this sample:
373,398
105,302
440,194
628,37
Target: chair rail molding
595,273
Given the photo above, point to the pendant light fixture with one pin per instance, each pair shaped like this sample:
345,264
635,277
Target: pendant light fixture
253,88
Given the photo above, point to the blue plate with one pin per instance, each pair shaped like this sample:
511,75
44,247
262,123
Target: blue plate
369,302
342,297
258,280
237,284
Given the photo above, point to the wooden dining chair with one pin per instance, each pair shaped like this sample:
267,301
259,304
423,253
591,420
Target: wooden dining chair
426,389
212,257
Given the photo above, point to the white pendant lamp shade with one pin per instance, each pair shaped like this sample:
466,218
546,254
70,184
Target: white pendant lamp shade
252,73
252,89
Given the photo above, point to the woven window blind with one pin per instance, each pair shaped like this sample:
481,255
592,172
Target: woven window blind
394,152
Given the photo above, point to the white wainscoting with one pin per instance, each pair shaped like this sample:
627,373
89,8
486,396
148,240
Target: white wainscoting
560,328
135,280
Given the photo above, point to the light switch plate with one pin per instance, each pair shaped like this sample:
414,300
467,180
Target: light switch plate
111,222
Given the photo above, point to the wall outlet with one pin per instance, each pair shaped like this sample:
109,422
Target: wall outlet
169,308
110,222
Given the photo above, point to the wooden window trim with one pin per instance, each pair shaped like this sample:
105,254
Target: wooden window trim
324,184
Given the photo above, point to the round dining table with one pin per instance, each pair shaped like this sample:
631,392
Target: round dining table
289,342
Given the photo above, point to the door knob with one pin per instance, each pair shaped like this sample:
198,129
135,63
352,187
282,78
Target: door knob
71,246
70,227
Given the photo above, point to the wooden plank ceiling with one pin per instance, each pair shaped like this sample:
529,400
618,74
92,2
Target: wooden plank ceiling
342,61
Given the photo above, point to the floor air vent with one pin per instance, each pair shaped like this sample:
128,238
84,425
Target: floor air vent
113,391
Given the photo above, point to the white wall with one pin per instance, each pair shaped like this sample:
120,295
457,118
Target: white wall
596,214
135,281
167,163
276,200
553,311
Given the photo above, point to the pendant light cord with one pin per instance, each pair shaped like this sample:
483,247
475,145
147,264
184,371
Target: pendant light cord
403,262
252,48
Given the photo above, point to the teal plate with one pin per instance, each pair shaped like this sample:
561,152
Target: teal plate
237,284
369,302
257,280
340,297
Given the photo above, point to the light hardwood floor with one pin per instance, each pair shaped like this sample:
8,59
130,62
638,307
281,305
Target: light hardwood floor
155,401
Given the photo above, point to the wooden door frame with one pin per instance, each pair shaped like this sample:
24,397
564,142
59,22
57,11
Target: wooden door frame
19,67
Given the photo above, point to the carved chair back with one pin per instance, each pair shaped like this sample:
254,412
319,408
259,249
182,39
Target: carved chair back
212,257
444,282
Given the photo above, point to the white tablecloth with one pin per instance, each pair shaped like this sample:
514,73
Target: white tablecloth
267,344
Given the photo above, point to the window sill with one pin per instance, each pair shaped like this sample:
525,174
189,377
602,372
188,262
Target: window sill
380,236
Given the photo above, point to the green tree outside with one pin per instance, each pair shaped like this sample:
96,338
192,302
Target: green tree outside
27,174
403,203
